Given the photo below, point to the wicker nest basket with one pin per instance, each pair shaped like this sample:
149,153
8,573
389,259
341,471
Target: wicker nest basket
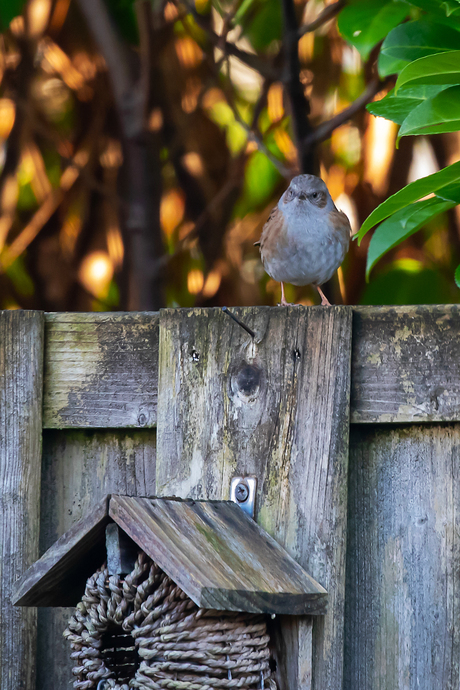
142,631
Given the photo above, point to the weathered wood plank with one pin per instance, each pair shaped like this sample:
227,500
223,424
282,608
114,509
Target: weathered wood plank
121,550
21,389
403,559
79,469
276,408
405,364
101,370
46,583
218,556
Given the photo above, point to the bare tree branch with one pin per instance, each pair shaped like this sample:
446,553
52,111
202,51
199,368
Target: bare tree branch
251,130
141,169
300,106
112,50
328,13
325,130
265,68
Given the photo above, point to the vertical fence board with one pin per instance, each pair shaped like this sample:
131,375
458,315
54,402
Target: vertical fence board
79,468
403,559
277,408
21,388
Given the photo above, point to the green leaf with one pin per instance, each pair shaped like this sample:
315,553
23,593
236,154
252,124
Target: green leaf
365,23
402,225
412,192
393,108
417,39
443,68
450,192
457,276
388,65
435,115
440,8
9,9
407,281
261,21
421,91
267,25
397,108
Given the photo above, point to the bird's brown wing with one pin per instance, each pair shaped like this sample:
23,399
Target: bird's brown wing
273,236
340,223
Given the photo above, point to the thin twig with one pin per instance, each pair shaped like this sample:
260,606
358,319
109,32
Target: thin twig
251,132
328,13
266,69
325,130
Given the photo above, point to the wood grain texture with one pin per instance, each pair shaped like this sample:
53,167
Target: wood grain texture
405,364
218,556
59,577
403,559
278,409
21,387
79,469
101,370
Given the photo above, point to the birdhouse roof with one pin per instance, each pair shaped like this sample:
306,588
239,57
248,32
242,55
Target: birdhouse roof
216,554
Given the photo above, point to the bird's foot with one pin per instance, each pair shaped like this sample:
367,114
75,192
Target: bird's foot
324,300
283,303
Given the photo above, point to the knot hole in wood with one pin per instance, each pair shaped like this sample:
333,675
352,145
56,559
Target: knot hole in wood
246,381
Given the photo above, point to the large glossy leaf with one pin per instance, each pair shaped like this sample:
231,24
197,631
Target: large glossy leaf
450,192
435,115
413,40
443,68
402,225
440,8
412,192
365,23
397,108
389,65
9,9
394,108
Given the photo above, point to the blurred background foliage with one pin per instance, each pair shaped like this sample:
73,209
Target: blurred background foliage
143,144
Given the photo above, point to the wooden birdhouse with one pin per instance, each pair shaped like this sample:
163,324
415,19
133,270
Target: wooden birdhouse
170,593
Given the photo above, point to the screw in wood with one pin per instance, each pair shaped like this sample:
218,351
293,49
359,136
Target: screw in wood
226,310
241,492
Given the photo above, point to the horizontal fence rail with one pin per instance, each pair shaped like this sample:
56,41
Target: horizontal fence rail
101,370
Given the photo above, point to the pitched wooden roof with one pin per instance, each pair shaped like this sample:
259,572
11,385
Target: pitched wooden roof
218,556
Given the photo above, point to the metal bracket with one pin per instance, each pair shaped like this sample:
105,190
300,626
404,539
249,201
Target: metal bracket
243,492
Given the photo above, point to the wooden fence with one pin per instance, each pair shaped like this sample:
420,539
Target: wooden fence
349,419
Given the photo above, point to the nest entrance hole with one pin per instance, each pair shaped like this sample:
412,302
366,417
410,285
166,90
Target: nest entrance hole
119,653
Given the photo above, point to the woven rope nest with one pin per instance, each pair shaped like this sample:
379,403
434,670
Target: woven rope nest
142,631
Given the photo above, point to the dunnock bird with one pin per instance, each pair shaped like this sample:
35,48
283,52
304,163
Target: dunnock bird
306,237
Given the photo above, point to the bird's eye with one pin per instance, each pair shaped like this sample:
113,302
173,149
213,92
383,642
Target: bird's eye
288,196
314,195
